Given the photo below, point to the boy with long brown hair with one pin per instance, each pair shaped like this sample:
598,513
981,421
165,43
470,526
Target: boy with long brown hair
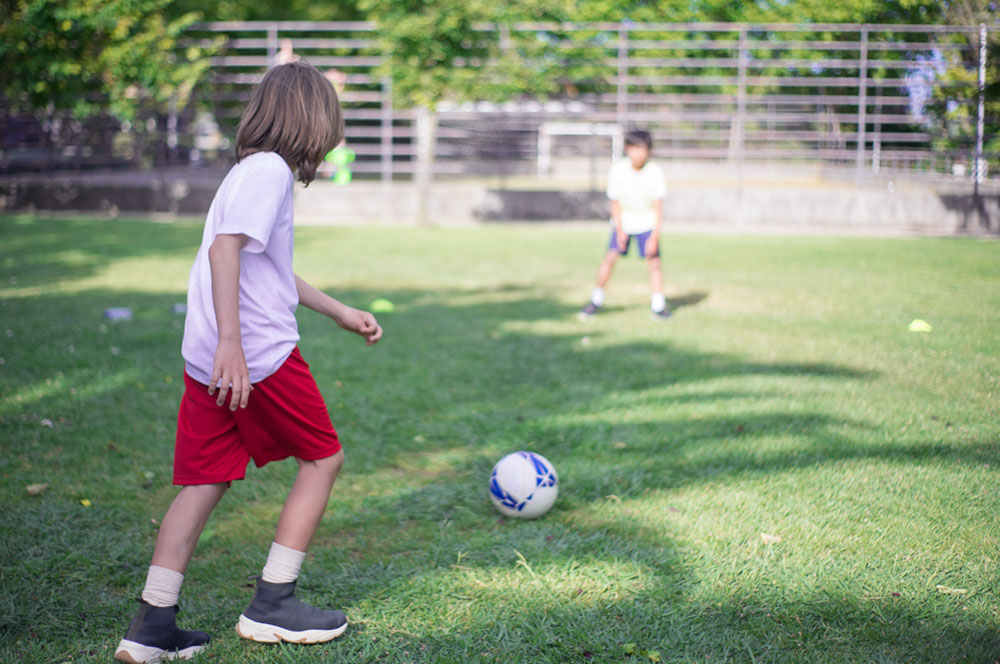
248,392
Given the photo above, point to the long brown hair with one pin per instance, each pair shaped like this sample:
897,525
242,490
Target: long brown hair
294,112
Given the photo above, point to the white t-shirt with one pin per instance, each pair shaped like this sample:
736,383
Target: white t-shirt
636,193
255,199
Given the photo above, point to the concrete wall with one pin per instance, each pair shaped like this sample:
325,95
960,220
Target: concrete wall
718,203
878,210
168,192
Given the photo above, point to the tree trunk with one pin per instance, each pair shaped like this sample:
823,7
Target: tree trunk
424,176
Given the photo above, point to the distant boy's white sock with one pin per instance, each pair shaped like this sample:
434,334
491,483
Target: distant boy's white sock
283,564
657,302
597,296
162,586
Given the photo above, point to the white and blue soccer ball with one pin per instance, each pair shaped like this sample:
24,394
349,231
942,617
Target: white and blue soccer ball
524,484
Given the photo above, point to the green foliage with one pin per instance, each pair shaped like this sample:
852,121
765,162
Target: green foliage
86,55
288,10
824,11
953,109
439,50
77,53
658,11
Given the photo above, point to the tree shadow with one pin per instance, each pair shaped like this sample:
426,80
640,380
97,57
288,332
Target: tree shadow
734,628
40,251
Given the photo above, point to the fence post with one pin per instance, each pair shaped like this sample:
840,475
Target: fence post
172,140
621,114
544,159
426,120
877,134
862,105
979,171
385,157
739,135
272,44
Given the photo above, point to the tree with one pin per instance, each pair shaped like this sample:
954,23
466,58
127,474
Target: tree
289,10
452,50
954,111
438,50
91,55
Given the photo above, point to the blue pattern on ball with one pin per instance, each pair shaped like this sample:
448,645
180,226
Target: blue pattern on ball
543,477
505,498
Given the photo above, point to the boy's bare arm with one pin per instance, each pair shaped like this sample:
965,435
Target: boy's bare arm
653,243
353,320
230,364
616,218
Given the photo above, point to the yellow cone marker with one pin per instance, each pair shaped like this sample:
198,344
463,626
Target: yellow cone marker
382,305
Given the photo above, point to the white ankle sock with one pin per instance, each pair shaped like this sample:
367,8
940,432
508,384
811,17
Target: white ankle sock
657,302
597,296
162,586
283,564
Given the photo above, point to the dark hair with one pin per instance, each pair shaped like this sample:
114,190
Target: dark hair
639,137
294,112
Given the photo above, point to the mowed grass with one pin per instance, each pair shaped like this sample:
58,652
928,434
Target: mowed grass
781,473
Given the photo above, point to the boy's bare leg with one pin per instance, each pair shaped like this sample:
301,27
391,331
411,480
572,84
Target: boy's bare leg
597,295
655,275
607,265
153,635
657,303
275,614
307,501
183,523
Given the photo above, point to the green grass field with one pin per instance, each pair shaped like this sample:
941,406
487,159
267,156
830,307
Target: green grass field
781,473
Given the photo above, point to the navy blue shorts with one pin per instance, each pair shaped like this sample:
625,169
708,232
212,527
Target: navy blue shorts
640,239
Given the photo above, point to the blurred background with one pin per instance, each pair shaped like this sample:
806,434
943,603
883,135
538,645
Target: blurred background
882,116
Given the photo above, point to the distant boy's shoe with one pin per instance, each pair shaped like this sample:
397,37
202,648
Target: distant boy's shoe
662,314
588,311
275,614
153,637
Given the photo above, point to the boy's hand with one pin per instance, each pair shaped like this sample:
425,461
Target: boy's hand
362,323
622,238
231,367
652,244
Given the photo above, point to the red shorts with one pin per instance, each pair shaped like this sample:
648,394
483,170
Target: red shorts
285,416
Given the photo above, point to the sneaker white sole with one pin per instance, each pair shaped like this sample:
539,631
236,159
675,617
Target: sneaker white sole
264,633
131,652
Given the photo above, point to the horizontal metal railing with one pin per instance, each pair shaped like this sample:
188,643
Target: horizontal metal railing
861,96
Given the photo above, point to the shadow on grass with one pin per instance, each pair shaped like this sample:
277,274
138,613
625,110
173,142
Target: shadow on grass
674,302
38,252
463,376
687,299
738,628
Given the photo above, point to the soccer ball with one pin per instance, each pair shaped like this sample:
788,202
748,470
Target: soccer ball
524,484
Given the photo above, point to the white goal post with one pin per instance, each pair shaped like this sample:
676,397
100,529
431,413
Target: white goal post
547,130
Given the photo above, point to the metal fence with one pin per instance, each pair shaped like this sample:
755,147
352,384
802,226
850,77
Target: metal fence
856,99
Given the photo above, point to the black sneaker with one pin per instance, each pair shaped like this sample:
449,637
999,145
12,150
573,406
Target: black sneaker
663,314
275,614
153,637
588,311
